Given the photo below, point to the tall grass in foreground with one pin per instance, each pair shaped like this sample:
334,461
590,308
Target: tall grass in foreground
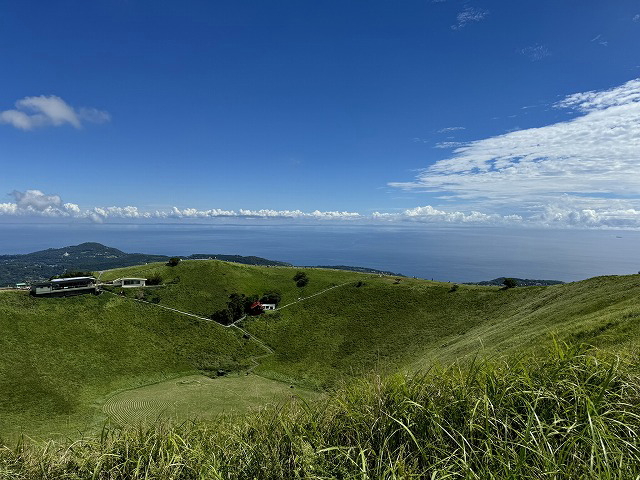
570,415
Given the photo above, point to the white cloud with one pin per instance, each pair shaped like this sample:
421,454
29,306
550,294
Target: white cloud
591,162
35,199
41,111
598,38
262,213
429,214
535,53
450,129
35,203
449,144
469,15
636,17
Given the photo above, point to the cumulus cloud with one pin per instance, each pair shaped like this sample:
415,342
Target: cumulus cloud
262,213
430,214
36,200
591,162
469,15
41,111
36,203
636,17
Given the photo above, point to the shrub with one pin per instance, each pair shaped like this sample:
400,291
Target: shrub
301,279
454,288
509,283
154,279
173,261
223,317
271,297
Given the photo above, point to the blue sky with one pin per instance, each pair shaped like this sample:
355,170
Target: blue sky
473,112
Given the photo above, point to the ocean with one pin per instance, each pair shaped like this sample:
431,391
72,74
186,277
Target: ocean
457,254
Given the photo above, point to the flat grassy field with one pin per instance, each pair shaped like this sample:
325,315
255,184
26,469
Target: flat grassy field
198,397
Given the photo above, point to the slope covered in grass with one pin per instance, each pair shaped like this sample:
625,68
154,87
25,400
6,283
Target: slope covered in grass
60,356
565,415
203,286
387,325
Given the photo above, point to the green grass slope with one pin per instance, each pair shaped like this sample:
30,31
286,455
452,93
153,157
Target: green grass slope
564,415
60,356
203,286
385,326
389,323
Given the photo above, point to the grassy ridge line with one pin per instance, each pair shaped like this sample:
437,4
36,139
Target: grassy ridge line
203,286
565,415
601,311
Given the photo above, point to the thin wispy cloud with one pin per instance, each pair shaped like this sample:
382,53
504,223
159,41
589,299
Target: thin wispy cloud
449,144
469,15
582,171
636,17
535,53
601,41
43,111
450,129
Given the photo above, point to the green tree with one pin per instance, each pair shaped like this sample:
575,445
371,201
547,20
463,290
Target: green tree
155,279
271,297
301,279
173,261
223,316
509,283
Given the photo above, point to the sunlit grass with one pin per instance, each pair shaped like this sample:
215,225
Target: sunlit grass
570,414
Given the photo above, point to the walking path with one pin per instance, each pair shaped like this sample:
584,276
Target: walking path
267,348
314,295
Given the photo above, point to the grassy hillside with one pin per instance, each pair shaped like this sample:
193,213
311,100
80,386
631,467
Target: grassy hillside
564,415
387,325
60,359
203,286
60,356
387,322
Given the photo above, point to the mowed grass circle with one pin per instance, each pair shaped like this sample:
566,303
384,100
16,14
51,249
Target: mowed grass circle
197,396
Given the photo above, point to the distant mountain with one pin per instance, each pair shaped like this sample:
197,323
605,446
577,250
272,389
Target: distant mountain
522,282
91,256
359,269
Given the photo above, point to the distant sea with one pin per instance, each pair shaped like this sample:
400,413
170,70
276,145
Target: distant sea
457,254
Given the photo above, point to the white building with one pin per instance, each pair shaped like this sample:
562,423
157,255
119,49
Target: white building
268,306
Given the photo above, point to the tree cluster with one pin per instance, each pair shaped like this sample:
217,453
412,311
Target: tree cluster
301,279
239,305
173,261
155,279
